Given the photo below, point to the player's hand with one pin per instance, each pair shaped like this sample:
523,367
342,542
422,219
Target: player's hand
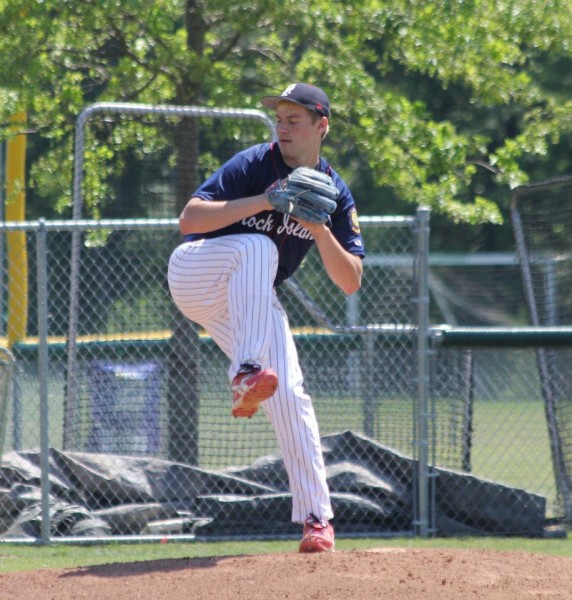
305,194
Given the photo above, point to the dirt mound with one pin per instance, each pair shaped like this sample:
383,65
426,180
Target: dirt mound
391,574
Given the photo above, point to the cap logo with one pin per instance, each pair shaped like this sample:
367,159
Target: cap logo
289,90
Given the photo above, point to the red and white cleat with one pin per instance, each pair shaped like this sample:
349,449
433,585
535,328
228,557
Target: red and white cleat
251,388
318,536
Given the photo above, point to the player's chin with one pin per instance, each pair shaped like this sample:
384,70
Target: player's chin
285,148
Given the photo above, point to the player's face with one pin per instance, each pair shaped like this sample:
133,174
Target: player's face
299,137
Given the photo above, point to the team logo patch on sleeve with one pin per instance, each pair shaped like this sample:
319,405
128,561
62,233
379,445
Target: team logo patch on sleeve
354,220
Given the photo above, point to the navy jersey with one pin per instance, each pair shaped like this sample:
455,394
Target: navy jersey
249,173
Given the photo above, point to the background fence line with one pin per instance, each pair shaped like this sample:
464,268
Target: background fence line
405,421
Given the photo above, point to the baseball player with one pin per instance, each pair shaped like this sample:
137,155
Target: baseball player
247,228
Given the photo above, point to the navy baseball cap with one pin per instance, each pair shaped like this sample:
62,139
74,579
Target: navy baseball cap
304,94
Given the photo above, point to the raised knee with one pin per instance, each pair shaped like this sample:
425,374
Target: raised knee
262,246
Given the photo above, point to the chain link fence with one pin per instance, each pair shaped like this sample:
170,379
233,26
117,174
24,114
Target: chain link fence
100,442
131,447
505,451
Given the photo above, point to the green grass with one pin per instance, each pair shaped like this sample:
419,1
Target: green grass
509,443
26,558
511,446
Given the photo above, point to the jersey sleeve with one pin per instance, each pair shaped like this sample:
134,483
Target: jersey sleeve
345,221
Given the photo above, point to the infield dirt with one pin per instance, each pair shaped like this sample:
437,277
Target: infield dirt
387,574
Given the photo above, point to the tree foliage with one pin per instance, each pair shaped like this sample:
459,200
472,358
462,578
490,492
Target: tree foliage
442,102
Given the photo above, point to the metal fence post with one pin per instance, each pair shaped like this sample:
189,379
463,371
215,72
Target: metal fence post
43,367
422,376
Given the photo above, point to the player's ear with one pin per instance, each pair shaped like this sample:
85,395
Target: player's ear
324,126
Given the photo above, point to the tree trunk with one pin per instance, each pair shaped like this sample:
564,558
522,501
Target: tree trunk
184,391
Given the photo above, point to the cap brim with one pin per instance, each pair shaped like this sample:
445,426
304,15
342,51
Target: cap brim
272,101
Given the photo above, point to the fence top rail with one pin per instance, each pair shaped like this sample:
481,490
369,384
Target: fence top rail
516,337
88,224
171,110
162,223
387,221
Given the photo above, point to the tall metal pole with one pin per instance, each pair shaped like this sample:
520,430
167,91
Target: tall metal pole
422,425
43,366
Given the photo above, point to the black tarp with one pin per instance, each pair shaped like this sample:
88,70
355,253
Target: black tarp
372,492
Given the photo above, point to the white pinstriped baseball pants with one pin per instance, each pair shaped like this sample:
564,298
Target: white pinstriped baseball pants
226,286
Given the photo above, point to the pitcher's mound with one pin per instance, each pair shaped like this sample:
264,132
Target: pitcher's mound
386,574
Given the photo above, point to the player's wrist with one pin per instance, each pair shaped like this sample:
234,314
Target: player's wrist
265,202
318,230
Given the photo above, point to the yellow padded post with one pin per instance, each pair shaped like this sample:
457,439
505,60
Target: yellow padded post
17,256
